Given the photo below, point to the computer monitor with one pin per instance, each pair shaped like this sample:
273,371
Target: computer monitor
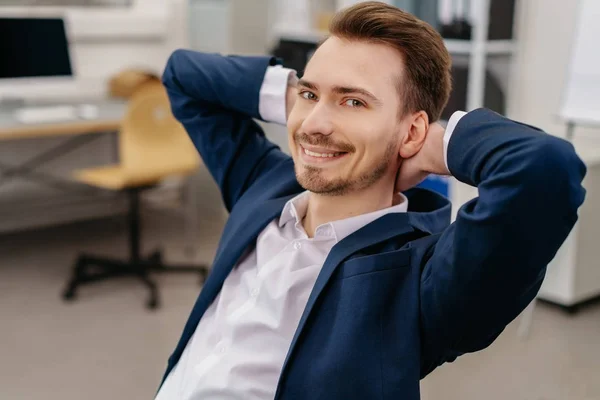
33,51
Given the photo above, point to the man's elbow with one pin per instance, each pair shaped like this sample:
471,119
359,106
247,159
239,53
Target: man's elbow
559,171
169,76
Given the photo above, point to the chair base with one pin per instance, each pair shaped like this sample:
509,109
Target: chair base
89,269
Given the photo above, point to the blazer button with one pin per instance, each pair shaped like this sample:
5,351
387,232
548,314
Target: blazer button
297,245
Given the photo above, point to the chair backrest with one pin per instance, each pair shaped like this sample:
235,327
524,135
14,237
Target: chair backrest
151,140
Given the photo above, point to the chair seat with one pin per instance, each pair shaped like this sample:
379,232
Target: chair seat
117,177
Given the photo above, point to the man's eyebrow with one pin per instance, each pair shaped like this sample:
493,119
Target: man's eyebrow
307,84
342,90
351,90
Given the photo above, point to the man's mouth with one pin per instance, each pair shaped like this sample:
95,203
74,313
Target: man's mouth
313,154
324,155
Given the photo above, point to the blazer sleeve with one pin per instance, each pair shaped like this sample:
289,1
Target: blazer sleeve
490,263
216,97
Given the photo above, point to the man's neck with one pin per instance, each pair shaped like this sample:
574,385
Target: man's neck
326,208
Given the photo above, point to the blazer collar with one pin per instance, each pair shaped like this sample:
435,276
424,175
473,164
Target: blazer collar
428,211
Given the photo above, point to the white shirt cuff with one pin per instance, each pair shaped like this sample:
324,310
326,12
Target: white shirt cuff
452,122
272,98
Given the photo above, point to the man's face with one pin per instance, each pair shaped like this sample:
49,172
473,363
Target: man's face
344,130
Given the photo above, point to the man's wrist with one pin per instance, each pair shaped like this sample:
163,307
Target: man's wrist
450,127
273,96
436,158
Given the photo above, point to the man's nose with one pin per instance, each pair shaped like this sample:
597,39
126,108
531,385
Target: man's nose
318,121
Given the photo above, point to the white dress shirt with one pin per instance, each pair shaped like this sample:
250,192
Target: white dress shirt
241,341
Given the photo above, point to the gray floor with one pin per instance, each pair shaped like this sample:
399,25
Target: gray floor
108,346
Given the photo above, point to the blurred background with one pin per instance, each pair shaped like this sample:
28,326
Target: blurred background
74,181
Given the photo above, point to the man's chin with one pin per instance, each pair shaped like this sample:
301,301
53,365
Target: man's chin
316,183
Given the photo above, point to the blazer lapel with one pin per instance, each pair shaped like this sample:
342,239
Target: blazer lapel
384,228
239,237
236,238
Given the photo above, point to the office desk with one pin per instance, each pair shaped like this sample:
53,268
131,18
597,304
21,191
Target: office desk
108,119
110,114
78,132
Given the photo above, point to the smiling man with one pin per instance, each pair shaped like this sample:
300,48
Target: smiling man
337,278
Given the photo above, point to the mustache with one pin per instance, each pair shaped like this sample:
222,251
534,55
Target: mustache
323,141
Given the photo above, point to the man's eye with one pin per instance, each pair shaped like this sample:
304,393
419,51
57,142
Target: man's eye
354,103
308,95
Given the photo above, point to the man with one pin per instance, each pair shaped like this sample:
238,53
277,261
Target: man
334,279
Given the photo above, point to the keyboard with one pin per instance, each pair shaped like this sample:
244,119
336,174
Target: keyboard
46,114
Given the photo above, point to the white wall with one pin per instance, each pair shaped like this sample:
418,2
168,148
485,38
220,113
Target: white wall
250,25
545,31
210,27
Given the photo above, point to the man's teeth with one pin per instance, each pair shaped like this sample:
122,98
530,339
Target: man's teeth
324,155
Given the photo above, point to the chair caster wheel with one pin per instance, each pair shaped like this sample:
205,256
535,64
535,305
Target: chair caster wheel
69,294
152,304
156,257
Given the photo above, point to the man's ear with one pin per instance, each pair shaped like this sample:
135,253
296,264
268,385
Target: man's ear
412,142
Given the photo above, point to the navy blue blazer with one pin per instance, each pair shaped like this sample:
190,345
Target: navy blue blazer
409,291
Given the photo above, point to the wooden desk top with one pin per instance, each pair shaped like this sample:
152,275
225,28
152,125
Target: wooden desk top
110,114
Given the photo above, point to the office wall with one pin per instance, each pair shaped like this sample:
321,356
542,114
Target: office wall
210,25
250,25
545,34
250,30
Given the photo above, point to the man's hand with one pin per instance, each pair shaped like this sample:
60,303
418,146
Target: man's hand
428,160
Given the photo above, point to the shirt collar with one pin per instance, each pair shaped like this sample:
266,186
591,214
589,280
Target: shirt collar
295,210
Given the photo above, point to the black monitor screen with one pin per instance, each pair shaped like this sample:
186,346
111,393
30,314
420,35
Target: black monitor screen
33,47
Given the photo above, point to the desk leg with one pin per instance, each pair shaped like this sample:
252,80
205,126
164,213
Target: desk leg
27,170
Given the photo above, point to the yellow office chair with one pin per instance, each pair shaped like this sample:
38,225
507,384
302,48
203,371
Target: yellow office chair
153,145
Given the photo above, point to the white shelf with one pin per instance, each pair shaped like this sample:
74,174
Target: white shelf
492,47
500,47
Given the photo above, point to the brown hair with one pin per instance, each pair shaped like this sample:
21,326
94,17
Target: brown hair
427,83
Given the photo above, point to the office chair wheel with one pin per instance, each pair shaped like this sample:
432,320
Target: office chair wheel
69,294
572,309
156,257
152,303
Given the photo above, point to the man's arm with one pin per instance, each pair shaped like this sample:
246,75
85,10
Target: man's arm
216,98
490,263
